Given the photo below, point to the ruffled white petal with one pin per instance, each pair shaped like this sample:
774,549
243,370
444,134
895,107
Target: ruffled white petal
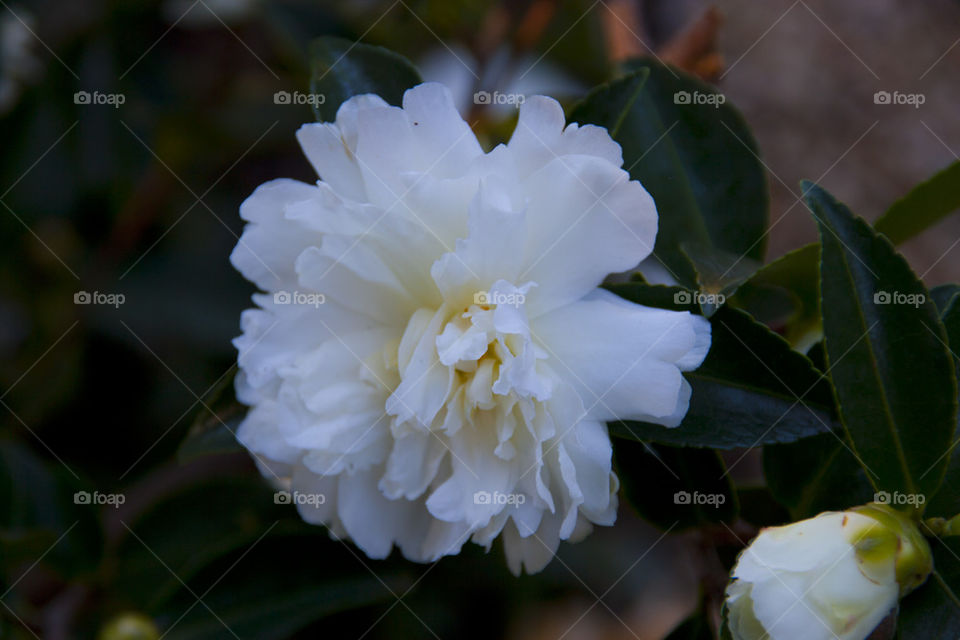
621,371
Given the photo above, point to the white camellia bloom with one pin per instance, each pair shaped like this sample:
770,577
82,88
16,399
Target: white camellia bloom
433,356
833,577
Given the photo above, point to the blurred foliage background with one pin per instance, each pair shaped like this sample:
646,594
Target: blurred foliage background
141,199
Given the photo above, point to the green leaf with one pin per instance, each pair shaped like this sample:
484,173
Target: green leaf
189,530
673,487
719,274
933,610
655,295
816,474
786,293
926,204
342,68
752,389
946,501
942,295
795,274
273,588
672,149
611,104
37,507
215,426
889,363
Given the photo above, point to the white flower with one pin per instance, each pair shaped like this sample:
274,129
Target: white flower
833,577
455,381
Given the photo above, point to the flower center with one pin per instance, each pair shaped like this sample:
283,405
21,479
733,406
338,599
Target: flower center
484,352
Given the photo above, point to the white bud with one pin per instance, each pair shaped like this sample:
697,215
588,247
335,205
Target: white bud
833,577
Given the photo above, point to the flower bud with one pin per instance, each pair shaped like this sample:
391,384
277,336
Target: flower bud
832,577
129,626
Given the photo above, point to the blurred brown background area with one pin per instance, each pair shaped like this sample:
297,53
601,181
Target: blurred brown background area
804,73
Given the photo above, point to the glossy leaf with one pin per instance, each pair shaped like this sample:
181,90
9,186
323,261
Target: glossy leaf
752,389
786,294
189,530
926,205
671,145
611,104
719,274
675,488
946,501
816,474
887,353
341,69
942,295
215,426
39,507
269,601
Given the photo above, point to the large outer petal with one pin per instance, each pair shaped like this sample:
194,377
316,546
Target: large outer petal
585,219
624,359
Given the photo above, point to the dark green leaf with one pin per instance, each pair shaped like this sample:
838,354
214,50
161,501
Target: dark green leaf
655,295
796,272
719,274
190,530
946,501
342,68
215,426
673,487
611,104
786,294
273,588
816,474
943,294
887,353
37,506
752,389
933,610
672,148
925,205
